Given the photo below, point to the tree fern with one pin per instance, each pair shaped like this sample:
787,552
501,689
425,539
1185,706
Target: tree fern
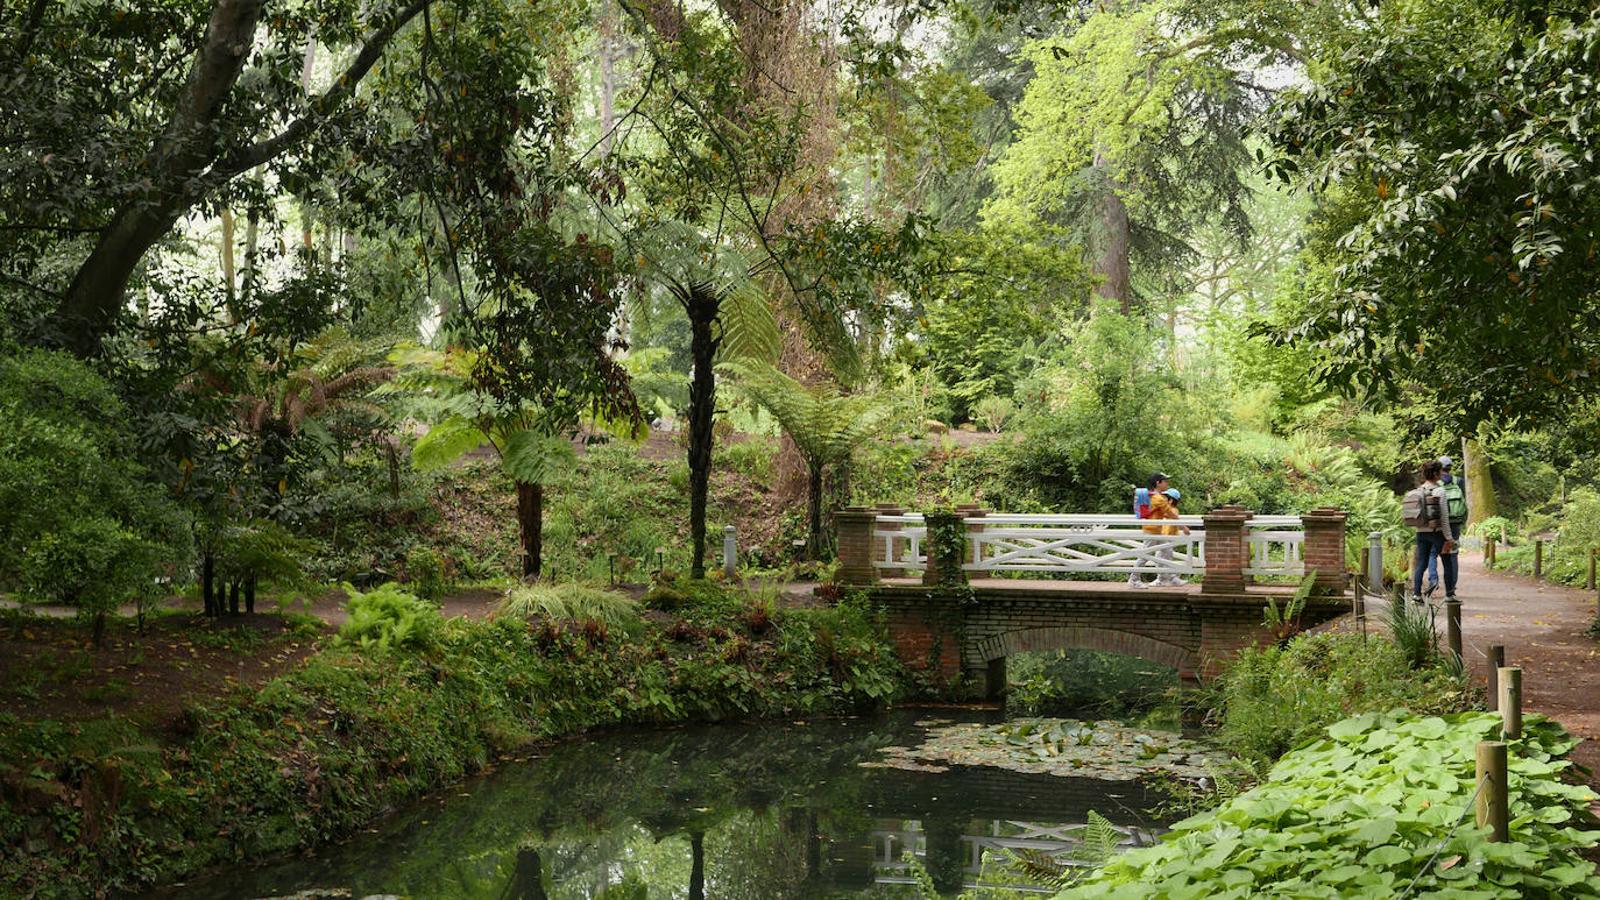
824,424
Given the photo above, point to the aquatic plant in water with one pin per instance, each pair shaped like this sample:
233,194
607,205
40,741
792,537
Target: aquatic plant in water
1067,747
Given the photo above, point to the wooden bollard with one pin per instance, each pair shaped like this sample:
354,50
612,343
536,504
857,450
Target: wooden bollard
1589,583
1494,806
1452,620
1497,659
1511,702
1538,558
1488,553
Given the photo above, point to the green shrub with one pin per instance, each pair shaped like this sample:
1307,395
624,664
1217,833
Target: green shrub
994,412
388,617
426,573
83,523
700,599
1381,806
1275,698
1577,528
568,603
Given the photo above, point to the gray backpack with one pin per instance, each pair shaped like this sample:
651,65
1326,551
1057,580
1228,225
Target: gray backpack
1420,508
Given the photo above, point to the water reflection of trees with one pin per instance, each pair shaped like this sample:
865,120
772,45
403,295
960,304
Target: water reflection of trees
754,813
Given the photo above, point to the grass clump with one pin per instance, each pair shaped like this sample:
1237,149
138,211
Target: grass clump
1380,806
571,604
1276,698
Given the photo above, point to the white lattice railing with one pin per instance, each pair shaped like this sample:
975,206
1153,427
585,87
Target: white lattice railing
1003,542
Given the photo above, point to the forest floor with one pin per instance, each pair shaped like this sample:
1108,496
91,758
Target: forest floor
1542,628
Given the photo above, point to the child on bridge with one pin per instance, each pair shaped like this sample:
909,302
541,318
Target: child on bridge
1163,505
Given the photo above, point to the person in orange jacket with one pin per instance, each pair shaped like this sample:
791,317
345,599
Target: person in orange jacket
1164,505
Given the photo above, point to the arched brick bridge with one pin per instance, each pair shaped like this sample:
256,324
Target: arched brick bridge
1029,590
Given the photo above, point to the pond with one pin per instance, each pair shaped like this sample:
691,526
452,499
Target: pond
820,809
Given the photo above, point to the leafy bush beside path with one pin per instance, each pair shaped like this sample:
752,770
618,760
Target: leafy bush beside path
1380,807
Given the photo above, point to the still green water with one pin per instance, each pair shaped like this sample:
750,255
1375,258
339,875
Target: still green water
744,812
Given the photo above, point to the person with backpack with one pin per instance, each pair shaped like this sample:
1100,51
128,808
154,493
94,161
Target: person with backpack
1455,501
1162,504
1425,509
1143,506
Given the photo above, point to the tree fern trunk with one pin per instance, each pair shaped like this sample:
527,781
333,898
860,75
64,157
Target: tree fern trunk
701,305
208,585
814,501
530,525
250,593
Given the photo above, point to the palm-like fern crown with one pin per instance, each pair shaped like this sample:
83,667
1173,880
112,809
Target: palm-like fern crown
824,424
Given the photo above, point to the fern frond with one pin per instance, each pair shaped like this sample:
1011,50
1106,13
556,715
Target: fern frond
749,330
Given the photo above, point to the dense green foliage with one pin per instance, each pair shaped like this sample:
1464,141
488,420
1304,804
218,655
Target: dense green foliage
83,523
1382,805
1274,699
358,730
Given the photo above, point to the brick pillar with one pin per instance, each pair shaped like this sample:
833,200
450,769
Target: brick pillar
930,575
1226,553
897,547
1324,547
855,525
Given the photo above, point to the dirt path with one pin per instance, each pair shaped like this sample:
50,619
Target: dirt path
1541,626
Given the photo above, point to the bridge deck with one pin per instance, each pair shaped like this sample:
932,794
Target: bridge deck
1045,588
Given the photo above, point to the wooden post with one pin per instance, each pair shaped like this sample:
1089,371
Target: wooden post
1494,808
1452,619
1488,554
730,552
1538,557
1497,659
1511,702
1589,584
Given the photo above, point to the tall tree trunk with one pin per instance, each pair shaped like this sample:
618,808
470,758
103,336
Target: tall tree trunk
1112,265
701,305
530,525
233,597
308,67
208,585
814,506
250,593
227,254
1480,483
252,245
607,27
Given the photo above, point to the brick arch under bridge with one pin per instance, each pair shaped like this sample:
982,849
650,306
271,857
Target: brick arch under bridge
1194,632
1077,637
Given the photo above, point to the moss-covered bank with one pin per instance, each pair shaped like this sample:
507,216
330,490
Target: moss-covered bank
105,807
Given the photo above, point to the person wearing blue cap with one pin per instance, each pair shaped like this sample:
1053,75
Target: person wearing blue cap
1164,505
1455,508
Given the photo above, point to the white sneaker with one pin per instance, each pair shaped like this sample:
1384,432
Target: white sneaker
1134,580
1171,580
1139,585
